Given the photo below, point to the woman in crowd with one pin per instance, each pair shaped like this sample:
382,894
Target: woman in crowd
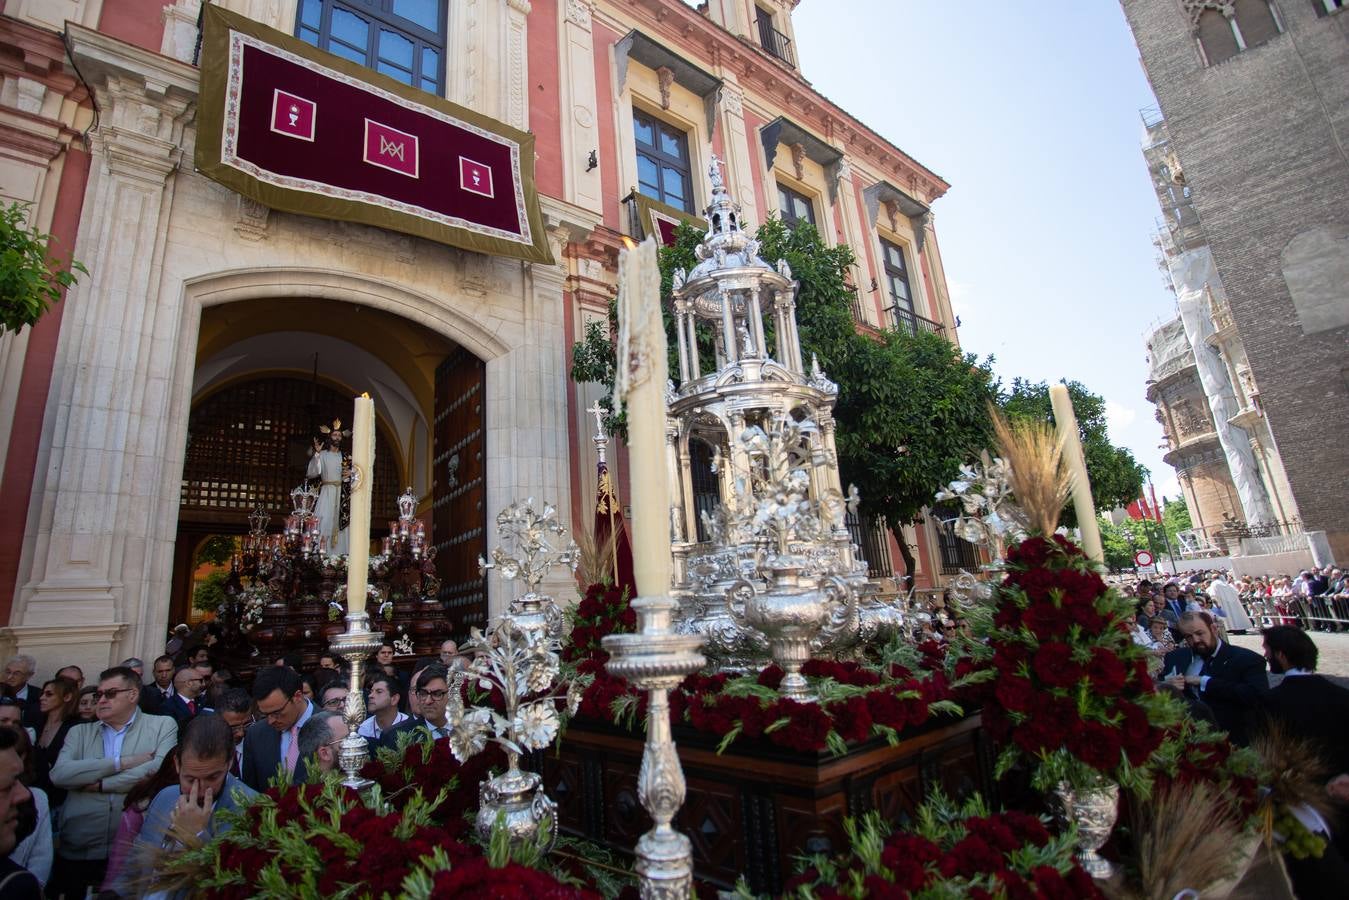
1147,608
87,711
34,852
1156,639
137,801
59,702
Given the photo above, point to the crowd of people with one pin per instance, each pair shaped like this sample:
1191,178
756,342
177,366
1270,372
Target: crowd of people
1316,599
96,779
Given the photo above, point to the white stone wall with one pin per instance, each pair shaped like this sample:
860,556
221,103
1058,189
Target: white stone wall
162,243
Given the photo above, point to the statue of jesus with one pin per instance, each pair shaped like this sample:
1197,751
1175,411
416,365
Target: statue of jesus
333,469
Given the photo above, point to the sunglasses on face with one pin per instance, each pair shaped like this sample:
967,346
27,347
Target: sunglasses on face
432,695
110,694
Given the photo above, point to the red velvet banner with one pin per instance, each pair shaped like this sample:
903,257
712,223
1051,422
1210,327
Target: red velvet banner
304,131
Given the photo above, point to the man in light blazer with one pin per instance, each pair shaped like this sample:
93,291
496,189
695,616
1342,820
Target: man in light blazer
98,765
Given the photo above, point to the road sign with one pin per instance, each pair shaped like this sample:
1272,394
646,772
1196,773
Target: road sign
1143,558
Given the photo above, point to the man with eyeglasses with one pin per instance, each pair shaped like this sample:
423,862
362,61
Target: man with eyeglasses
98,765
236,708
319,745
272,742
382,699
433,694
183,706
333,698
17,672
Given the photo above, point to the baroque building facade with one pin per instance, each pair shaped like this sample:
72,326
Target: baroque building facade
178,385
1249,160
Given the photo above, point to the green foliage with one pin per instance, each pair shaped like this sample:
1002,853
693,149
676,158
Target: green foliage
209,593
30,279
217,550
1116,477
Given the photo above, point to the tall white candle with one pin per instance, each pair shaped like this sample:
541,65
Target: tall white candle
358,528
639,386
1083,507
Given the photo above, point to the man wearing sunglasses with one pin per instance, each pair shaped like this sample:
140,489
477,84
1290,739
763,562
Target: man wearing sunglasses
99,764
433,693
273,741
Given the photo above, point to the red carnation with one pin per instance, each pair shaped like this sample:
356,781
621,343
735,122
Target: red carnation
1054,666
969,857
1046,621
1015,694
1106,672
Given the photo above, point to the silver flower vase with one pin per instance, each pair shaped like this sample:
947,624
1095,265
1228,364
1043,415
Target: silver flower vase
1092,811
517,797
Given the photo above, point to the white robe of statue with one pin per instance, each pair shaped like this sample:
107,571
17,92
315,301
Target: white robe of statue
326,465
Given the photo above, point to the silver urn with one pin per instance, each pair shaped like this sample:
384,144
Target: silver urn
516,798
793,612
1092,812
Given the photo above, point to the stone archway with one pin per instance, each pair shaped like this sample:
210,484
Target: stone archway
102,551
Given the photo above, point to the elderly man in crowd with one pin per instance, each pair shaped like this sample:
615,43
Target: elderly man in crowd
319,740
185,813
1230,680
99,763
18,671
274,740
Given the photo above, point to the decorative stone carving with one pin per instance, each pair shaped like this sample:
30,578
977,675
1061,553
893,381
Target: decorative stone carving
665,77
732,101
253,217
578,13
799,161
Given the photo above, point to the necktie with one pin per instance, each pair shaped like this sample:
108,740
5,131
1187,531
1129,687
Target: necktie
192,707
234,765
293,751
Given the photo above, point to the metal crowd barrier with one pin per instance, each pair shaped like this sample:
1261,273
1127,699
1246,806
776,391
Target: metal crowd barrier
1329,612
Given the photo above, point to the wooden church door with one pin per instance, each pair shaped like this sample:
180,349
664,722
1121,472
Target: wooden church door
459,489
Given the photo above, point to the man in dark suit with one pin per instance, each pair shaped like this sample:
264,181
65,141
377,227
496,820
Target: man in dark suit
158,692
1306,704
1231,680
184,705
433,693
274,740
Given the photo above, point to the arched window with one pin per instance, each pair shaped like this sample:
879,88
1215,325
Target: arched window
1255,21
1216,37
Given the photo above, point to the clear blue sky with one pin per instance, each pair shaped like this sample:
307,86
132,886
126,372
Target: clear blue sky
1030,111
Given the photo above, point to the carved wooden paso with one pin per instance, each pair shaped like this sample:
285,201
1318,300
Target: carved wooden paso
459,489
756,807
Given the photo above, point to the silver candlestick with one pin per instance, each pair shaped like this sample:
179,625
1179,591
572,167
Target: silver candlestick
656,659
355,646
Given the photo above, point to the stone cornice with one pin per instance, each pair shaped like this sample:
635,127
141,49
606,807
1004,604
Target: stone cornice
101,57
761,75
30,52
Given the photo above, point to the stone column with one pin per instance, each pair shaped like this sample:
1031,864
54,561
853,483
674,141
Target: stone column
101,559
515,56
740,152
579,106
528,450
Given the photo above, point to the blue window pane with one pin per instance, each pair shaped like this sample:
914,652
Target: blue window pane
648,175
311,11
430,85
356,55
309,36
645,133
430,63
350,29
673,182
402,75
670,143
425,13
395,49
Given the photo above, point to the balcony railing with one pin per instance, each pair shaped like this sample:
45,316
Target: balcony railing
912,323
776,43
871,536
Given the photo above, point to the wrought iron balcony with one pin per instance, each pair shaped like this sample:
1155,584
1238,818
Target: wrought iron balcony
912,323
776,43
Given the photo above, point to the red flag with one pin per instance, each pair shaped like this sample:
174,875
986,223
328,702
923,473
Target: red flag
1137,509
609,520
1156,510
